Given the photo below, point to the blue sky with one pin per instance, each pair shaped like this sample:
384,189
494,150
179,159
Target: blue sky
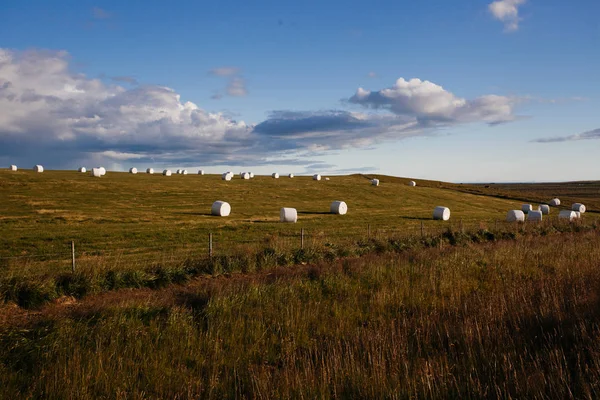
291,71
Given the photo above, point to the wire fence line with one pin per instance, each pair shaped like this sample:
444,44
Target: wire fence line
78,256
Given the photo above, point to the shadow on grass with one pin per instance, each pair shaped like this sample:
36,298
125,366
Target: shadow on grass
418,218
206,214
314,212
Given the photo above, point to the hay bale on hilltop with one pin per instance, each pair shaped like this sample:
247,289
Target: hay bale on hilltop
82,169
338,207
96,172
245,175
316,177
375,182
133,170
226,176
220,208
412,183
515,216
150,171
441,213
275,175
38,168
167,172
290,175
288,215
13,167
200,172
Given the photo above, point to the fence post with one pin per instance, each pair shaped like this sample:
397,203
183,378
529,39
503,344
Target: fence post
422,232
210,247
302,238
73,256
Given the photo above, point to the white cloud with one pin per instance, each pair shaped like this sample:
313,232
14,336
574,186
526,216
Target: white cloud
507,11
429,103
589,135
236,86
43,104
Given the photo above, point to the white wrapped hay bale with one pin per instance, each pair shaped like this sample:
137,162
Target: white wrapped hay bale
13,167
326,179
245,175
178,172
275,175
220,208
544,208
577,214
566,214
82,169
375,182
338,207
412,183
133,170
102,171
554,202
534,215
150,171
288,215
515,216
167,172
316,177
290,175
226,176
578,207
441,213
200,172
184,172
251,175
526,208
38,168
97,172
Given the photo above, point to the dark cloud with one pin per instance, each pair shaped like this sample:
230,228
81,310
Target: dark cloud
589,135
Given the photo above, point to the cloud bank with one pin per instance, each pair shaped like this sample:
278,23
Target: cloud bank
50,114
507,11
589,135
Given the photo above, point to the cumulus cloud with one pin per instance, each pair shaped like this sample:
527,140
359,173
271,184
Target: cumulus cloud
44,105
589,135
429,104
507,11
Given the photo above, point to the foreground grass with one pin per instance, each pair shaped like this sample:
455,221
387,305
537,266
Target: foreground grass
516,318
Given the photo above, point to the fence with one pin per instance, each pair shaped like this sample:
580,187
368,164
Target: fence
76,257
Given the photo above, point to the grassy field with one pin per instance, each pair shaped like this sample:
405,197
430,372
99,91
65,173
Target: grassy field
503,319
42,213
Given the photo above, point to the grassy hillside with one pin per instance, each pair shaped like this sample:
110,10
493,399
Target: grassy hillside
41,212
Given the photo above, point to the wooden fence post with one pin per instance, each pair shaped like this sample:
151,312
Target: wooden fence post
210,245
302,238
73,256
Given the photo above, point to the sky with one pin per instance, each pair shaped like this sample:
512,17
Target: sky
461,91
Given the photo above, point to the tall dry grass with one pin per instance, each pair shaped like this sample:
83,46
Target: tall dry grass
513,319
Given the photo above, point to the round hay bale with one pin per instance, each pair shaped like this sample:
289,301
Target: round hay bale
544,208
515,216
554,202
13,168
38,168
102,171
226,176
184,172
200,172
150,171
526,208
316,177
97,172
412,183
338,207
220,208
578,207
245,175
567,214
375,182
290,175
133,170
288,215
251,175
82,169
167,172
326,179
534,215
275,175
441,213
577,214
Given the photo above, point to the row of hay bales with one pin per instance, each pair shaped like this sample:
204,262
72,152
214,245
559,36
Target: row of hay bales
36,168
286,214
528,213
376,182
